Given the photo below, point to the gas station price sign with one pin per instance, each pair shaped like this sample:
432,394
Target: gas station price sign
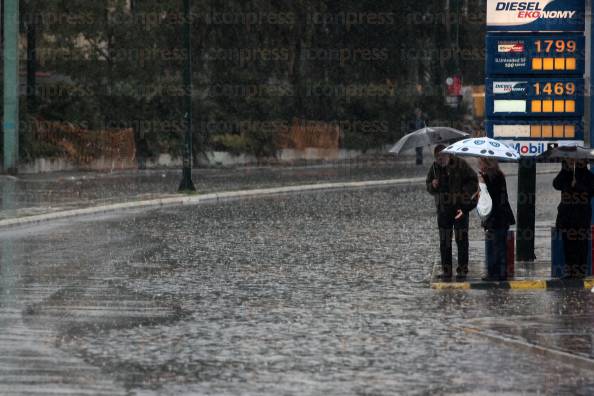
535,97
541,54
569,130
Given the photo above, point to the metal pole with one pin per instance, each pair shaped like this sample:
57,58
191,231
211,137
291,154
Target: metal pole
186,182
31,60
457,36
588,130
11,85
526,210
589,124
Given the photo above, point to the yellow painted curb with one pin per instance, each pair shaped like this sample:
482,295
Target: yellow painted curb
450,285
527,284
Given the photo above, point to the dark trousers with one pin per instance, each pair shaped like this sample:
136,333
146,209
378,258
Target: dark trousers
449,227
419,155
575,247
496,252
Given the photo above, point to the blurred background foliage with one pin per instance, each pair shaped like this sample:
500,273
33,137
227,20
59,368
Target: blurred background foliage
259,65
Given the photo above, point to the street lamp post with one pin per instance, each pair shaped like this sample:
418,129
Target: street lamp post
186,183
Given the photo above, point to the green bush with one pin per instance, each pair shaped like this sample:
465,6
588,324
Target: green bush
235,144
262,143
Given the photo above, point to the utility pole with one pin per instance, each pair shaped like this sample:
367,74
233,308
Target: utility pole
31,26
589,114
526,226
186,184
11,85
458,37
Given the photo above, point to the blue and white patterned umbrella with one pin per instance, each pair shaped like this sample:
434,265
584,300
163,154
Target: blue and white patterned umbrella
483,147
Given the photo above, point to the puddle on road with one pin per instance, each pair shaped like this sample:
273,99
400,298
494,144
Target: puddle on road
100,307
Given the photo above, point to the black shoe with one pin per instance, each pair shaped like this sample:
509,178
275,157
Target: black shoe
573,277
444,277
494,278
487,279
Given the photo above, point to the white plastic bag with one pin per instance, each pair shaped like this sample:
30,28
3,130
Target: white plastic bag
485,203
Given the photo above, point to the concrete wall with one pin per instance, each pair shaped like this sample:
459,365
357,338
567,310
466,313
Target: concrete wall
213,158
42,165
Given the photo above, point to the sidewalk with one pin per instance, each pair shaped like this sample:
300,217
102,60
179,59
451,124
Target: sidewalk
41,194
36,194
528,276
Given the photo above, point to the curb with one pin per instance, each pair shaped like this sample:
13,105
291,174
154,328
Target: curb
541,282
534,284
203,199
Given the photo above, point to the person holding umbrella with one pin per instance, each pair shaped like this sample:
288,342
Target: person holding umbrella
453,183
418,123
574,214
500,217
497,223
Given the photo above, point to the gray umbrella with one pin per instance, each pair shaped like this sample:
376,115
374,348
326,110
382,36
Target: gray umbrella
426,137
569,152
566,152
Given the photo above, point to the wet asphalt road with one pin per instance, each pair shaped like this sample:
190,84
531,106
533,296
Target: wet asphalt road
320,293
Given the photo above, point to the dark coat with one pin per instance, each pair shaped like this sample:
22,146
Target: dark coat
417,123
575,210
458,183
502,215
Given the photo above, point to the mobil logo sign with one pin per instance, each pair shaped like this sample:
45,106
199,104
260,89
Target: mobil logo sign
534,148
528,148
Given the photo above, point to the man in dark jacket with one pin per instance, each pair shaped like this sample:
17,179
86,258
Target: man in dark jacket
574,215
454,184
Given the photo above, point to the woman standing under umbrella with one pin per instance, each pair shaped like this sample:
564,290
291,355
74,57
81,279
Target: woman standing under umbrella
574,216
499,220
